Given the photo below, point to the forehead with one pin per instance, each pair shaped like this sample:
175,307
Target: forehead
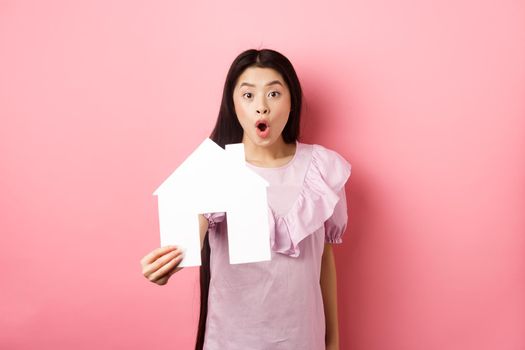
259,76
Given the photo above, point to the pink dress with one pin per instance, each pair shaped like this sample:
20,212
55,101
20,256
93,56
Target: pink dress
278,304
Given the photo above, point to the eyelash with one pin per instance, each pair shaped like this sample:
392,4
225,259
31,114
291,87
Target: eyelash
276,92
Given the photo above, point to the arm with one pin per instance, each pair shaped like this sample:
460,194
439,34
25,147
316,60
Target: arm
329,291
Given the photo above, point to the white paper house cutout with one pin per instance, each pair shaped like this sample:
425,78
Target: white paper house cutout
212,180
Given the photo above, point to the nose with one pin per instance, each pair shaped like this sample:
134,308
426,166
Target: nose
262,110
262,107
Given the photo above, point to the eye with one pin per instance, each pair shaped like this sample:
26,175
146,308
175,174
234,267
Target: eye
274,93
247,95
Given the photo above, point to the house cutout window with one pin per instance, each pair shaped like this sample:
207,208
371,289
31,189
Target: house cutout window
214,180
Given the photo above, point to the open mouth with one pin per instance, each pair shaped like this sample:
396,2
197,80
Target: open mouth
263,129
262,125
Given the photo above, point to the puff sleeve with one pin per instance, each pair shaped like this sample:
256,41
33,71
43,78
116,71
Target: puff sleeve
335,226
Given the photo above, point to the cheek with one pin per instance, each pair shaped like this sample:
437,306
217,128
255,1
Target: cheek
284,112
241,113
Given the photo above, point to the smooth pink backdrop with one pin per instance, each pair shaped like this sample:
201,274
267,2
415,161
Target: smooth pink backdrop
101,100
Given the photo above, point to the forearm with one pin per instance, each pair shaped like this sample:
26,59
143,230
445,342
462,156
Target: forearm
329,291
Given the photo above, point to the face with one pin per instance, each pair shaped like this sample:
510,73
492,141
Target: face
262,104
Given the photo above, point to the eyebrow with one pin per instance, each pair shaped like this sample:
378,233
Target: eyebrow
270,83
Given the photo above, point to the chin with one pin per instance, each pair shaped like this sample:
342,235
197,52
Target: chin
264,142
256,140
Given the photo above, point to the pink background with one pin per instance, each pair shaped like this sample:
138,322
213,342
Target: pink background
101,100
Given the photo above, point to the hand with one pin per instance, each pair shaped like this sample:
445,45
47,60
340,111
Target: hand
161,263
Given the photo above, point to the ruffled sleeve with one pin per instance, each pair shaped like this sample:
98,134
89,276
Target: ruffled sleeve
214,219
321,203
335,226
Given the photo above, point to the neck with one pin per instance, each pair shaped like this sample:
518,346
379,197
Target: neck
272,155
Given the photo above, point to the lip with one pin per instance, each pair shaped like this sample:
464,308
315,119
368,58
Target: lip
262,134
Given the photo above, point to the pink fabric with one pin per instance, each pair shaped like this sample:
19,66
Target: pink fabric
278,304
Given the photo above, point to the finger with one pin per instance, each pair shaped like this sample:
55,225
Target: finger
162,281
176,269
148,269
157,253
167,269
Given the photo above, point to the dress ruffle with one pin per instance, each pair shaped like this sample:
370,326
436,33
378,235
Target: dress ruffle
322,190
214,218
325,178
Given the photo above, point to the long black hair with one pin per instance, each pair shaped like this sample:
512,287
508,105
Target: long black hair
228,130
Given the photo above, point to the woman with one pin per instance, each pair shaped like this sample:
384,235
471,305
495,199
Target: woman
289,302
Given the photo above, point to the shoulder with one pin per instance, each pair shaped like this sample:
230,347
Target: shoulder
325,158
326,165
323,152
